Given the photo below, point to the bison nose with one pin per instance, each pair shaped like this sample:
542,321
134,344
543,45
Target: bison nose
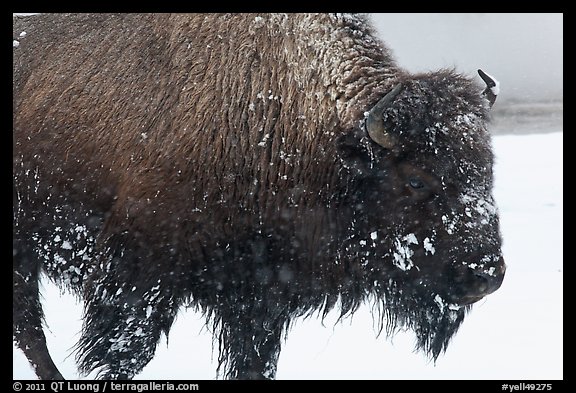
472,284
489,280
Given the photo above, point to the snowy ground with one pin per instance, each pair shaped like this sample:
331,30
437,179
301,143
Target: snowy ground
514,334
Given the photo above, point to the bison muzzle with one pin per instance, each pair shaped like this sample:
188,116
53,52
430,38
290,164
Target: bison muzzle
258,168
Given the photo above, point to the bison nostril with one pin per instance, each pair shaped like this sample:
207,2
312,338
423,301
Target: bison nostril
482,283
488,281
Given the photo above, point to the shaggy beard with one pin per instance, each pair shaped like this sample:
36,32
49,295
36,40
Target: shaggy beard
433,320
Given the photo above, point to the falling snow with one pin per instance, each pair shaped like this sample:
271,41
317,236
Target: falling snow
478,207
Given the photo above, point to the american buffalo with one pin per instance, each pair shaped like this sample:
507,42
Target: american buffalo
259,168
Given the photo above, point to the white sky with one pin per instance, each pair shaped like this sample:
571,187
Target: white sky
523,51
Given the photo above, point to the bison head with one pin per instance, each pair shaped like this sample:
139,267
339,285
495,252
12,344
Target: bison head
421,169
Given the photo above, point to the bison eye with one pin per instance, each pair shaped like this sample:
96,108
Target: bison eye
415,183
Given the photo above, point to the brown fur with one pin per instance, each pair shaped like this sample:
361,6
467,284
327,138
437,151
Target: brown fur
221,160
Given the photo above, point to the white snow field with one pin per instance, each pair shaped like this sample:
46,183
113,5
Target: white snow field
514,334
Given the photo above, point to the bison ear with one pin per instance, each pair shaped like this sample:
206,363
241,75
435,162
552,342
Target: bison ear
353,150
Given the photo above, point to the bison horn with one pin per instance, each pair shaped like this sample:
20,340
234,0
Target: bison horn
492,87
375,122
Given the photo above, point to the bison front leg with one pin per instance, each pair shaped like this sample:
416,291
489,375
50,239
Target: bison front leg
122,326
250,337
